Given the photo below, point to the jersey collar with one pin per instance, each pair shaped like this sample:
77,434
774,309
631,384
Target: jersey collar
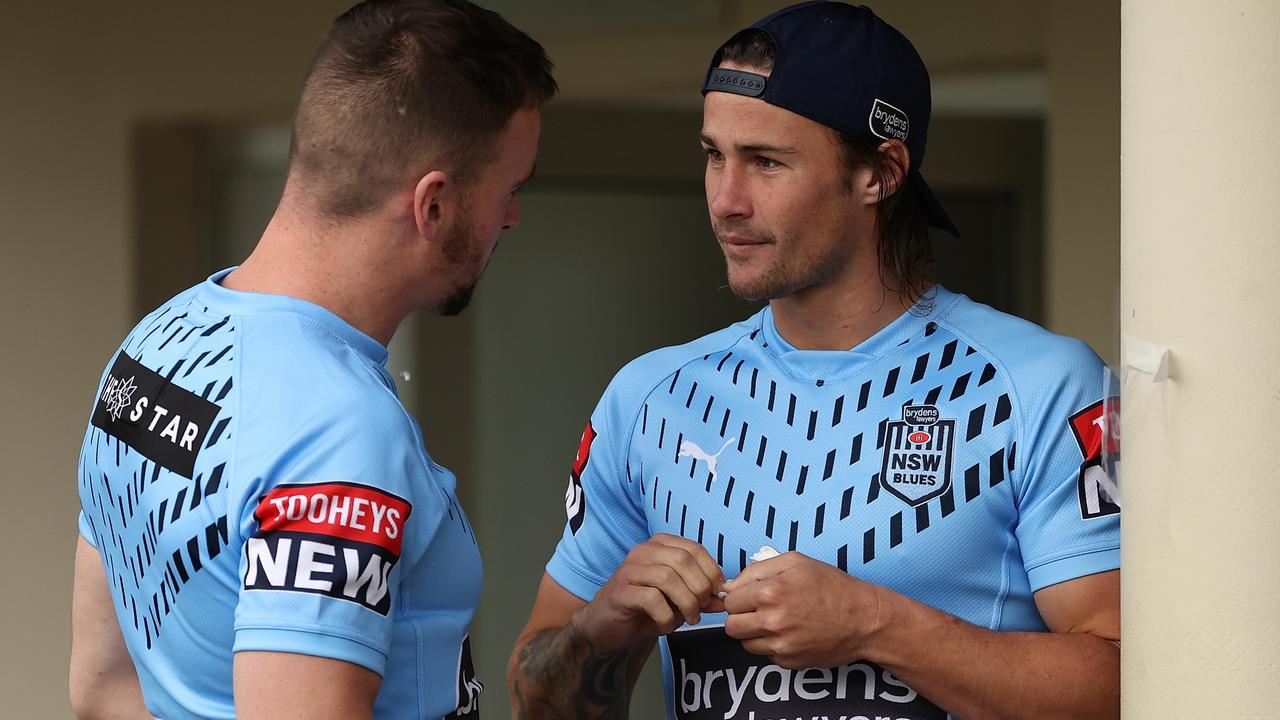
236,302
832,364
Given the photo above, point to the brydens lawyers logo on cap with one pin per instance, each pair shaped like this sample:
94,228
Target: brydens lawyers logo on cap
888,122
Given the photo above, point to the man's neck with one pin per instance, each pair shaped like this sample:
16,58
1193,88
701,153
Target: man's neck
326,267
837,316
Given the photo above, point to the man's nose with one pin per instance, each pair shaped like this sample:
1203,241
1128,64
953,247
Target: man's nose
729,197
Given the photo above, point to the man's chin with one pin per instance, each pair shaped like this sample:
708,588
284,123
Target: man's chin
755,288
457,301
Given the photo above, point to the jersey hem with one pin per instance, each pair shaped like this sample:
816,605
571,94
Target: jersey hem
302,641
572,580
1073,567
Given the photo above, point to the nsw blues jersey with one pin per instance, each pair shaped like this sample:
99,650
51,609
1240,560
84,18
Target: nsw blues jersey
953,457
252,482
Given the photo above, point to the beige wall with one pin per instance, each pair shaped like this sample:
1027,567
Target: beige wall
76,77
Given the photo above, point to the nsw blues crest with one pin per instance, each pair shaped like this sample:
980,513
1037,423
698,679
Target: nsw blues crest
917,455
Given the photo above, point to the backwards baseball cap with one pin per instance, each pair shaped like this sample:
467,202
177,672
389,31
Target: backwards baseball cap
843,67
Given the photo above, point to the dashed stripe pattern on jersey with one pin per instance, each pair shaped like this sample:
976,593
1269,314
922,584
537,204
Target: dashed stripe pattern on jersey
851,446
147,566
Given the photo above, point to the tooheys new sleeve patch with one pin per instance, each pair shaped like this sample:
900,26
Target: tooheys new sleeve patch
150,414
1098,438
575,502
339,539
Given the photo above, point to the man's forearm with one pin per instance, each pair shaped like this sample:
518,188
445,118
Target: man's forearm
977,673
556,673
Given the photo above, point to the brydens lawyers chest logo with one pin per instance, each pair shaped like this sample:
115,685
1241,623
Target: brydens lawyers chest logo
713,677
469,686
150,414
888,122
917,455
339,539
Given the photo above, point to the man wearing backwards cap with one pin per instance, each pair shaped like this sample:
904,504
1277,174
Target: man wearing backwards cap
928,467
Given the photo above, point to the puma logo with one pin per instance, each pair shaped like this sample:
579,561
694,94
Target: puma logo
689,448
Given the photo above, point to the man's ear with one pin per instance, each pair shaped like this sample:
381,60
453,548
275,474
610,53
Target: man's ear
899,163
428,198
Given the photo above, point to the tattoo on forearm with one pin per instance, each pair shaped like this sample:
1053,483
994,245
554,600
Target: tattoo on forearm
560,677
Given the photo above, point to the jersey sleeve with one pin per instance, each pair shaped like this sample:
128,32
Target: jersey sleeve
605,519
340,508
86,531
1068,521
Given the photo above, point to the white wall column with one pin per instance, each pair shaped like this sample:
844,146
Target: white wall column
1200,228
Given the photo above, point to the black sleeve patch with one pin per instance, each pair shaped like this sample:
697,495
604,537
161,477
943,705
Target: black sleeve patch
159,419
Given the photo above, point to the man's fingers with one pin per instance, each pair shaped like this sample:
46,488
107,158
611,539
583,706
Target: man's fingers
670,584
763,570
747,596
699,554
744,627
680,559
653,603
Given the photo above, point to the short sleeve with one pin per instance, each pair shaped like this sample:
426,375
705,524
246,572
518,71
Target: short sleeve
340,509
1068,521
604,517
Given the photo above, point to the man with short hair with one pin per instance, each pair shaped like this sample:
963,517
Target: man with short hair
263,532
902,486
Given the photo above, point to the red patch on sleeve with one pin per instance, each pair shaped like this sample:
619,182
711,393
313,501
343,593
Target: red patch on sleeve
349,511
584,449
1091,427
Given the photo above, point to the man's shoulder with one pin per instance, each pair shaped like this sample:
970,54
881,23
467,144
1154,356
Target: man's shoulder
637,379
1025,351
297,373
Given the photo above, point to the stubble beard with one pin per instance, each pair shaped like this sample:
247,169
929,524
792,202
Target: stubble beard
466,263
781,278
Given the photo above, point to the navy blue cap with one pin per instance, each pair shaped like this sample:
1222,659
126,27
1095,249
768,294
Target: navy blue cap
841,66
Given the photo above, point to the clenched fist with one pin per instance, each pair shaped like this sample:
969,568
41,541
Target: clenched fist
663,583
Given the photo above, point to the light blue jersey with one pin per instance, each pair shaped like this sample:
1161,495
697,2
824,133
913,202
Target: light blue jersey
953,457
252,482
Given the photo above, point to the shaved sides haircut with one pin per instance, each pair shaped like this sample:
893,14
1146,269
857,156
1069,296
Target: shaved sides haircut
398,84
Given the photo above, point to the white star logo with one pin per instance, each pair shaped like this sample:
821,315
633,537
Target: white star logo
118,396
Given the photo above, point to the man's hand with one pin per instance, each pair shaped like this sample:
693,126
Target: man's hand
663,583
801,612
581,660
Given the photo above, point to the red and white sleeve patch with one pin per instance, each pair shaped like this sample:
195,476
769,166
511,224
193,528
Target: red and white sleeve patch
339,539
1092,427
341,510
1097,432
575,501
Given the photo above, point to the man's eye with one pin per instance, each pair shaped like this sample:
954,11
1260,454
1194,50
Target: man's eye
767,163
714,155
